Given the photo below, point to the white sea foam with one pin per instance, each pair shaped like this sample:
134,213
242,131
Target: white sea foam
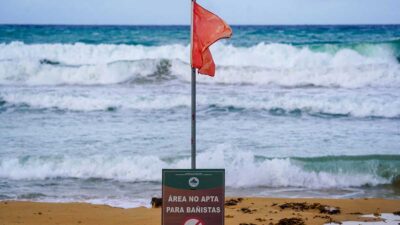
242,168
262,64
118,203
369,103
386,219
95,101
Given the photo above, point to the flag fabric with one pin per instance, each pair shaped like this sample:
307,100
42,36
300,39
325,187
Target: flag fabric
207,29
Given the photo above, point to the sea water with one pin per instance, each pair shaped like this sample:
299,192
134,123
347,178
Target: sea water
94,113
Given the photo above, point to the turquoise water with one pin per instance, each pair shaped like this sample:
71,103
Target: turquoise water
162,35
93,113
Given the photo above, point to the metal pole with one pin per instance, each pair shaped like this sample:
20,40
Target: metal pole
193,118
193,139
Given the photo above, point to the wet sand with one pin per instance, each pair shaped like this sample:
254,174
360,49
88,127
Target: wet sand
269,211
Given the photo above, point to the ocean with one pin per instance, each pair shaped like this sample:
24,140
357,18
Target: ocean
94,113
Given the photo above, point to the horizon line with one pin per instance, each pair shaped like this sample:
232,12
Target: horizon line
88,24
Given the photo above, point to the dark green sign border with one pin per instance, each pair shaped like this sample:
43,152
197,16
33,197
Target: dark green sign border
216,178
193,172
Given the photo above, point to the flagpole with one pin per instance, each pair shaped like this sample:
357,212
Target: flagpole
193,138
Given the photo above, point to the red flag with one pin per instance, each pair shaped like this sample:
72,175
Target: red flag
207,29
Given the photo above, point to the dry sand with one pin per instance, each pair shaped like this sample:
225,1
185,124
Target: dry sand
248,211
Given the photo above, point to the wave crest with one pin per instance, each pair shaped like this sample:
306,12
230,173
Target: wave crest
329,103
262,64
244,169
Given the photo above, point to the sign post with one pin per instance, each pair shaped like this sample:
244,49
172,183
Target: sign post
193,139
197,196
193,197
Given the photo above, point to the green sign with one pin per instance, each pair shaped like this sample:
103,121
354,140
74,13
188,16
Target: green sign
193,197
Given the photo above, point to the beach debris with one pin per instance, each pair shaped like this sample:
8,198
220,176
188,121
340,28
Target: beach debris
291,221
397,213
229,216
260,219
355,213
297,206
327,218
377,212
322,217
232,202
247,210
329,209
302,206
156,202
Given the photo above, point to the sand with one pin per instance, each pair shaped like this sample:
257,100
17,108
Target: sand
248,211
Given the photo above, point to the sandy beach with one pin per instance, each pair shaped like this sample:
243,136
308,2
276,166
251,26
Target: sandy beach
99,116
240,211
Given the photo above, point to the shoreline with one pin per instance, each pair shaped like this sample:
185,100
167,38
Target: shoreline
269,211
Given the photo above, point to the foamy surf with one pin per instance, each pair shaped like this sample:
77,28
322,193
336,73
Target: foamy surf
386,219
263,64
298,111
243,169
273,101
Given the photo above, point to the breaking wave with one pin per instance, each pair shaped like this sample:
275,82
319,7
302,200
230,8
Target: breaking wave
289,103
244,169
263,64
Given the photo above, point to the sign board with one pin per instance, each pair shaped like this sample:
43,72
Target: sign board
193,197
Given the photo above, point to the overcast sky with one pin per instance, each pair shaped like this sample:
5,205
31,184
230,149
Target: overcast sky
177,11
